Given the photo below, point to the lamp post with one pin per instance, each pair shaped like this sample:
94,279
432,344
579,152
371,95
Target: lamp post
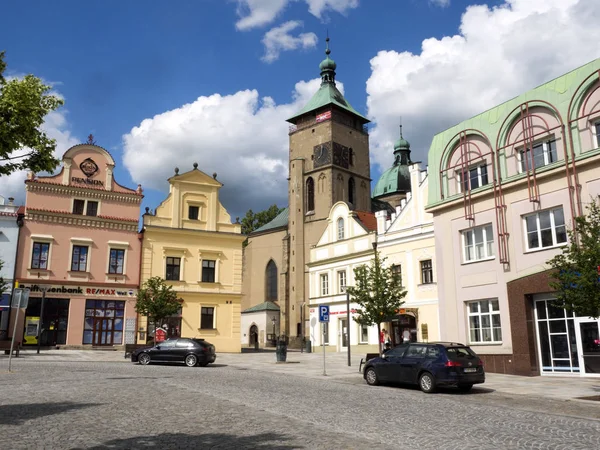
274,338
41,322
348,327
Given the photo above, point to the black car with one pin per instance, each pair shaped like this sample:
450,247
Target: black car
428,365
192,352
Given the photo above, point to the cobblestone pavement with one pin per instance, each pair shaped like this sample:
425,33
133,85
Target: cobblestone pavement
98,405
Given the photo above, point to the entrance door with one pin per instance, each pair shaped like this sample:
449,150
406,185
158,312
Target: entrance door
343,334
103,331
588,346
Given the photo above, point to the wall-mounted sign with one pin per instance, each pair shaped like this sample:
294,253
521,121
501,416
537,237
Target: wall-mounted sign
87,181
89,167
80,290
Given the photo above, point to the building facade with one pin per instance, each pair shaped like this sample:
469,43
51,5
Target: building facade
406,241
80,245
328,162
506,186
346,243
11,219
190,242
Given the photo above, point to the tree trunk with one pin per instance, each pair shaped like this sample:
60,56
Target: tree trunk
379,339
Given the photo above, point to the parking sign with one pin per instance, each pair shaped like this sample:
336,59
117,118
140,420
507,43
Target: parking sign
323,313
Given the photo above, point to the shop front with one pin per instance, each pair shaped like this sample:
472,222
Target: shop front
79,315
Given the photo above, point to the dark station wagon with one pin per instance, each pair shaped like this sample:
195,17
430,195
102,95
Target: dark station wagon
427,365
192,352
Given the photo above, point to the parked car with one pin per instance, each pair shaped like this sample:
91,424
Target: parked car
428,365
192,352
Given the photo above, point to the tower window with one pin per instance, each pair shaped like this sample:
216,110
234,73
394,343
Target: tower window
351,191
340,229
271,282
310,195
351,156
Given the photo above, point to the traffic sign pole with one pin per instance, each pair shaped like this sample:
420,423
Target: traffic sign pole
323,328
323,318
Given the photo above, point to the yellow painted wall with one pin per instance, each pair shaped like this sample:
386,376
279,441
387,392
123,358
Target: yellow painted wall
170,233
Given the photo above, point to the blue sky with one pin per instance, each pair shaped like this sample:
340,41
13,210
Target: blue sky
163,84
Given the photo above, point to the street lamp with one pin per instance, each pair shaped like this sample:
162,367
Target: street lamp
273,321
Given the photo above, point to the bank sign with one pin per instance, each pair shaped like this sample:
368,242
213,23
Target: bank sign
88,291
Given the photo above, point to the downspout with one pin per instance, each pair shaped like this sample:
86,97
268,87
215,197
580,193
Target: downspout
20,223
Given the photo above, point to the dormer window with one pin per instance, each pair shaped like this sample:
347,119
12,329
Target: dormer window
473,178
193,212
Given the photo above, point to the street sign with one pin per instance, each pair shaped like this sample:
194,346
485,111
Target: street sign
323,313
20,298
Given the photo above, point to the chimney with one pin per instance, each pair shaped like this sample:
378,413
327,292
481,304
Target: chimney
11,201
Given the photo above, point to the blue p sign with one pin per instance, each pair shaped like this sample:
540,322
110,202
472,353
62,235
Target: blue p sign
323,313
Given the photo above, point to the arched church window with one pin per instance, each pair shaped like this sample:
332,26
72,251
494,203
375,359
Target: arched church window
271,282
310,194
351,191
340,229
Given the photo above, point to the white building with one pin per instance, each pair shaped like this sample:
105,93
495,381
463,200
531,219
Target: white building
346,243
9,233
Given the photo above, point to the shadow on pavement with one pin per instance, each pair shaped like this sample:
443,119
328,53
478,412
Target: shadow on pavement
210,440
19,413
443,389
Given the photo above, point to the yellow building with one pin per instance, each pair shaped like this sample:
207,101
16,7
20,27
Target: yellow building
190,242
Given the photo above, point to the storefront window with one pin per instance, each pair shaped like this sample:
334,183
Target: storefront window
103,322
556,338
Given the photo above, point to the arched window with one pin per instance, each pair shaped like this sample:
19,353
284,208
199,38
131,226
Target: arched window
271,282
351,191
310,194
340,229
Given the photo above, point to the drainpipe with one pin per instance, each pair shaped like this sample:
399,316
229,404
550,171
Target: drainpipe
20,223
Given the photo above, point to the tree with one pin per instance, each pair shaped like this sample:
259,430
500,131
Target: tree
252,221
576,276
24,103
3,283
378,291
157,301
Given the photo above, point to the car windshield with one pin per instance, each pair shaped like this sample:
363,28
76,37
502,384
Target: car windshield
455,353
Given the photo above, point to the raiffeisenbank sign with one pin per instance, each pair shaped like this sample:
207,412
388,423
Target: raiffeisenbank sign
80,290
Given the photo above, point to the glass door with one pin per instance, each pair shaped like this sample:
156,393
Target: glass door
343,334
588,343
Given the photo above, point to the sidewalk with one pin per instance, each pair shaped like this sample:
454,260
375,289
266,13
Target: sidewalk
336,367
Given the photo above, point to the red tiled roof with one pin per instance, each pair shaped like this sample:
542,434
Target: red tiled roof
368,219
55,211
8,214
21,209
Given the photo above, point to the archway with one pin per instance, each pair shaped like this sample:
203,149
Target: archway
253,336
404,328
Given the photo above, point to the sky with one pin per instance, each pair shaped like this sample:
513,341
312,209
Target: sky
163,84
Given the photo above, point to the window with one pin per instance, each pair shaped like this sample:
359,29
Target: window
271,281
39,256
310,195
193,212
397,271
545,229
473,178
478,243
544,153
398,351
116,260
173,265
351,156
208,271
78,206
89,206
364,334
416,351
351,191
79,258
324,284
92,208
340,229
484,321
325,333
556,337
597,133
342,281
207,318
426,272
103,322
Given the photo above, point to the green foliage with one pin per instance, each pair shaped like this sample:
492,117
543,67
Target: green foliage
24,103
157,300
3,283
378,292
252,221
575,275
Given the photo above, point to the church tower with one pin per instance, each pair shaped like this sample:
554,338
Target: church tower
329,162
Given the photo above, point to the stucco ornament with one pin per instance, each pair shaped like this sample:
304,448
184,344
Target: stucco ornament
88,167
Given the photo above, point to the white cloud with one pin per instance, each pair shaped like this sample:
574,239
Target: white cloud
56,127
242,137
257,13
500,52
279,39
440,3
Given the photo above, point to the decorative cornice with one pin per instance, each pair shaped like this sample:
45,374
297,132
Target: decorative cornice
66,218
100,193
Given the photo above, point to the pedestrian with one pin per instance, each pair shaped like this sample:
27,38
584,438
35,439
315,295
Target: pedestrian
382,339
406,335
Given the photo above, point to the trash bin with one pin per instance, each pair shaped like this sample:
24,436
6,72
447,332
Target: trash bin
281,350
308,346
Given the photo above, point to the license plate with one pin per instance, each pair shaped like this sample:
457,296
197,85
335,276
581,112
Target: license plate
470,370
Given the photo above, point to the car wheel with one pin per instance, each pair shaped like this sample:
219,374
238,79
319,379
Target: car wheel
191,360
427,382
464,387
144,359
371,377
